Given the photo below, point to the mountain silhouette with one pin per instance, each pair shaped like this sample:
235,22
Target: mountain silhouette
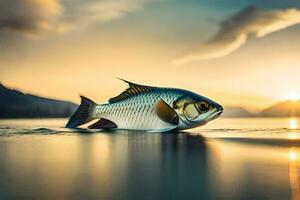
282,109
236,112
15,104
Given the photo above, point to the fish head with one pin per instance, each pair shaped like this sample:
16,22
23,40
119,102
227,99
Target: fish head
195,110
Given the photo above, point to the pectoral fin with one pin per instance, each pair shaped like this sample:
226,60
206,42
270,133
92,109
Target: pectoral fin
166,113
103,124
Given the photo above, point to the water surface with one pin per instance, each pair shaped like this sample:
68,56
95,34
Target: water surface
227,159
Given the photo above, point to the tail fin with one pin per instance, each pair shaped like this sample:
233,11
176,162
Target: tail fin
83,114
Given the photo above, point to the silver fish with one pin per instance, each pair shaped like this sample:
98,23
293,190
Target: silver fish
148,108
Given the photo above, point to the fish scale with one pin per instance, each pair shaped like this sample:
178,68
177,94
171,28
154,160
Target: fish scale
137,112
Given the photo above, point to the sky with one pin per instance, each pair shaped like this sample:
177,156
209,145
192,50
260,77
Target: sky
238,53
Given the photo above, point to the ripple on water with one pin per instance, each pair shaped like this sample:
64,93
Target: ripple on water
260,133
10,131
13,131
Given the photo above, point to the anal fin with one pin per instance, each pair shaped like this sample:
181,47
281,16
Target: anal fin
103,124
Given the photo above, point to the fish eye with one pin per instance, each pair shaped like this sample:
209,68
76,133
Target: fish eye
203,106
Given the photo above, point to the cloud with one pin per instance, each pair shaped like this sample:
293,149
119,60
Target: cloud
34,17
86,12
29,16
235,31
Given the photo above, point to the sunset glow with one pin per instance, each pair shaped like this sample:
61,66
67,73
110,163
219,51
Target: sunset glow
293,96
150,99
293,124
71,48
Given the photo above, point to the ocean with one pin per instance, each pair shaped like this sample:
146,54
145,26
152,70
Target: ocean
229,158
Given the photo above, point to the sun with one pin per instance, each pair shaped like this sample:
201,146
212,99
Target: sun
293,96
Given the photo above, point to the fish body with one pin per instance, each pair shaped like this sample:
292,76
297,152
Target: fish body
147,108
139,112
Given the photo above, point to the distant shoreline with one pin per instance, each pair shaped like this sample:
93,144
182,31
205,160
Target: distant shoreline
15,104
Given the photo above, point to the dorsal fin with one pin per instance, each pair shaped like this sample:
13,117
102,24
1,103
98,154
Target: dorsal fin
132,90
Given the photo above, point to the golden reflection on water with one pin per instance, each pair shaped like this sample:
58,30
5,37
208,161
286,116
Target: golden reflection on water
241,158
293,124
237,164
293,156
51,159
293,135
101,160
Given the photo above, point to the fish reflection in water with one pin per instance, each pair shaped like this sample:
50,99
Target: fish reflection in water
125,165
81,164
178,170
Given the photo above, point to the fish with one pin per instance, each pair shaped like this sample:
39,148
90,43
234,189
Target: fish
147,108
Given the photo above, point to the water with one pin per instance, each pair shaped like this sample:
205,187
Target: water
227,159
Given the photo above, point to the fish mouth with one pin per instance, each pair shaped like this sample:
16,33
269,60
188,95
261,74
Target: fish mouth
216,114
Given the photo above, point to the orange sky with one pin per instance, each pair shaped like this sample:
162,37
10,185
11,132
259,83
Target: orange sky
140,43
